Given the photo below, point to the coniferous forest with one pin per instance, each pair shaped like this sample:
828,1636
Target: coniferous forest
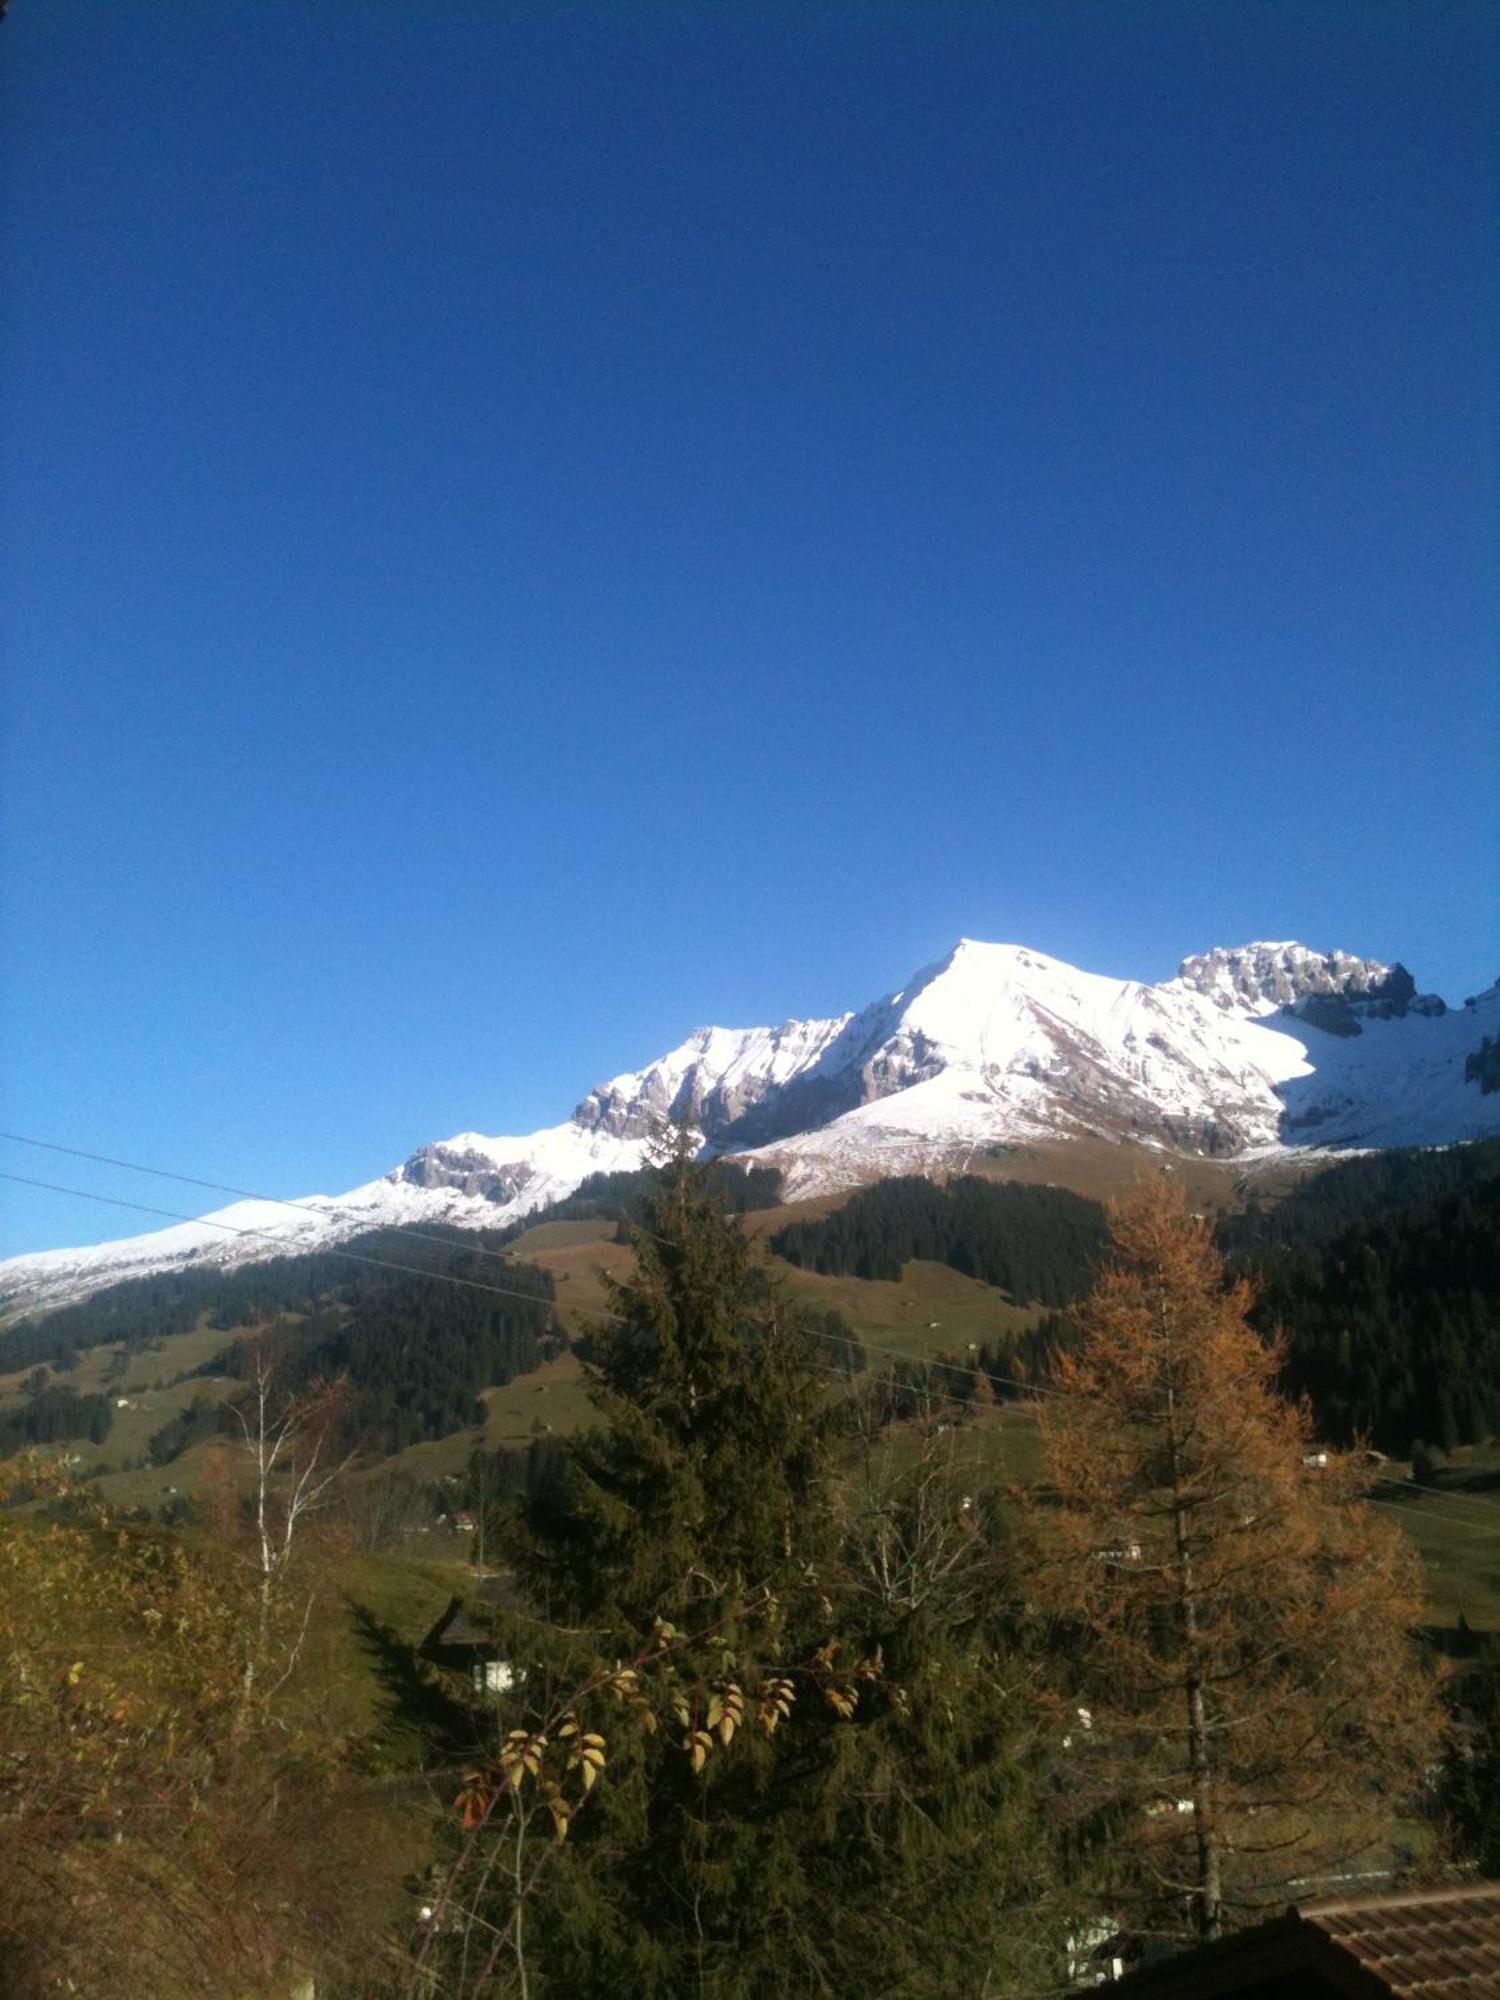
1040,1244
1383,1274
415,1346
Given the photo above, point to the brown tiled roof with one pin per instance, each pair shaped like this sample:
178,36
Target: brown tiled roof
1432,1944
1441,1944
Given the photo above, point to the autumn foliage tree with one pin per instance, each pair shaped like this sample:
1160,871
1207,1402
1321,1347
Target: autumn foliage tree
160,1835
1249,1712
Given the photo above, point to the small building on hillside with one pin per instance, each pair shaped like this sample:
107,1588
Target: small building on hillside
464,1640
1432,1944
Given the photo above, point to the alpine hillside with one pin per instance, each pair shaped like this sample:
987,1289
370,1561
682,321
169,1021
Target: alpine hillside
1253,1055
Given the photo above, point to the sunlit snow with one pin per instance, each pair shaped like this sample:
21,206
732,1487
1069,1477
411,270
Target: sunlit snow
996,1045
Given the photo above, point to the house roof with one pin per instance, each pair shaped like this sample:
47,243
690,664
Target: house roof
464,1623
1433,1944
1443,1943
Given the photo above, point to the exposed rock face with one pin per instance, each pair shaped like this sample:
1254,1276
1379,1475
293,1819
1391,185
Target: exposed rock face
466,1172
747,1088
723,1080
1281,974
1332,990
1483,1065
1245,1054
1329,1011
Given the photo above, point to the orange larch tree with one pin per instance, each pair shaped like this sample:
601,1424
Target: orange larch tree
1249,1709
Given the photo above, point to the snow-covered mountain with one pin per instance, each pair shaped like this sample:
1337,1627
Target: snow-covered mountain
1247,1054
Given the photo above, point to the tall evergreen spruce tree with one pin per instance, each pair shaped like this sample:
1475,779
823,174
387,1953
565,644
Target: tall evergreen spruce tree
707,1478
884,1843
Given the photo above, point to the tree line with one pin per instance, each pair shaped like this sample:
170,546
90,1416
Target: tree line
1039,1244
415,1347
1383,1274
138,1312
51,1415
417,1353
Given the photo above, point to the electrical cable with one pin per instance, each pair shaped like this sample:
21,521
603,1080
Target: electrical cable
440,1277
288,1249
293,1249
1426,1511
930,1362
1486,1502
301,1208
246,1194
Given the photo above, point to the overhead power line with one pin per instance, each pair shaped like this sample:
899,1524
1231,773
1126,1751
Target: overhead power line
925,1361
1466,1523
446,1278
1426,1511
246,1194
288,1249
406,1229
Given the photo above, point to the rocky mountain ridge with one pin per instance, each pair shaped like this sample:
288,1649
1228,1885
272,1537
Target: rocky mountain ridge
1248,1054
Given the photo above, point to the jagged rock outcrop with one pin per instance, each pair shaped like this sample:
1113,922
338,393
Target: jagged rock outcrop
467,1171
1332,990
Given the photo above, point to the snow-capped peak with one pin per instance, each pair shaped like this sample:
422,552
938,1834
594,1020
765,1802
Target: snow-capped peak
1248,1052
710,1081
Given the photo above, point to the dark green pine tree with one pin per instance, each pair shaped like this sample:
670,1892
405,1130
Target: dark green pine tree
894,1851
707,1478
704,1488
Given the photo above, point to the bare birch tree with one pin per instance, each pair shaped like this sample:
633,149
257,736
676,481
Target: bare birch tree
289,1441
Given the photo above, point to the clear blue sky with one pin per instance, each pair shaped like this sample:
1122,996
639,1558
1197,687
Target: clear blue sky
527,528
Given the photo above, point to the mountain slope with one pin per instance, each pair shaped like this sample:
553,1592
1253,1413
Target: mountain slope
1247,1054
1244,1054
